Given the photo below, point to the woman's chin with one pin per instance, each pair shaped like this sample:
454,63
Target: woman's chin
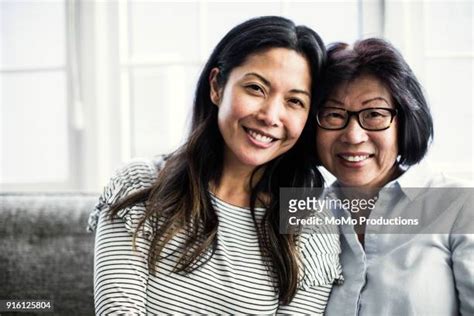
353,182
254,162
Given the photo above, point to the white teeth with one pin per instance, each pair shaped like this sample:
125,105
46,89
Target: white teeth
260,137
354,158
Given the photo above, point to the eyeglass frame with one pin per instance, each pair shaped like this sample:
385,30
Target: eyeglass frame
393,113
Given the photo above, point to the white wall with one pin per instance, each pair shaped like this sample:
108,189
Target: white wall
436,38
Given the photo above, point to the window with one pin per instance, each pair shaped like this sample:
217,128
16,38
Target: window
35,131
436,38
86,85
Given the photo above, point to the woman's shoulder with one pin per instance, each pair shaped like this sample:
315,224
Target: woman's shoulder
320,250
141,169
427,175
136,175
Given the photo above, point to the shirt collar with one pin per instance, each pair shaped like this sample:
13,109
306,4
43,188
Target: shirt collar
417,176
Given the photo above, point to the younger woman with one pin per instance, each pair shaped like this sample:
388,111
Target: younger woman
198,231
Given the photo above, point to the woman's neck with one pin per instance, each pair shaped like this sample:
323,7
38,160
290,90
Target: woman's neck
234,185
371,191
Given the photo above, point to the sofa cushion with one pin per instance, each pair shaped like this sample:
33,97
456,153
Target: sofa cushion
46,252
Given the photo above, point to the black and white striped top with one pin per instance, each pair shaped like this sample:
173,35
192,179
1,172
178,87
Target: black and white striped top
233,281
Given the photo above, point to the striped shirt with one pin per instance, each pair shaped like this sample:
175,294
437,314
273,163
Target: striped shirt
233,281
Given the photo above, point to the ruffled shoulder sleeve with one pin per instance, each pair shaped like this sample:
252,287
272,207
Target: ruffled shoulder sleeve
320,264
136,175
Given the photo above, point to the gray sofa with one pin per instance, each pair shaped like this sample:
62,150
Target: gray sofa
45,250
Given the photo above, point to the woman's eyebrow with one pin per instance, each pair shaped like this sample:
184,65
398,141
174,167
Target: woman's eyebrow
263,79
374,99
335,101
301,91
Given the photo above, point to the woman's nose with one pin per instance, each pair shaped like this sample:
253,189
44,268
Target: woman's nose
270,112
354,133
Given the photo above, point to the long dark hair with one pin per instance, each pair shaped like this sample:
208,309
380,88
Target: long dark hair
180,196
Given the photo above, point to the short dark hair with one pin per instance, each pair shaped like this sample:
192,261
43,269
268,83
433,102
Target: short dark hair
380,59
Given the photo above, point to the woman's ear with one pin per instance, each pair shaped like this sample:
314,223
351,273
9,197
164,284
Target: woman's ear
215,93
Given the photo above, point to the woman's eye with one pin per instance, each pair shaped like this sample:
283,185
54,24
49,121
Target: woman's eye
254,88
334,115
296,102
375,114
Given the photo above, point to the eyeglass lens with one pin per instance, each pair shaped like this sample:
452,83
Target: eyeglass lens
372,118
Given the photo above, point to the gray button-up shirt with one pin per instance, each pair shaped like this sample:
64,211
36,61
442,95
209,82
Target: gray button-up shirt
426,273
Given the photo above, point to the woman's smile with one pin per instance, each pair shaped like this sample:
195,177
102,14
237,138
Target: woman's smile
259,138
354,159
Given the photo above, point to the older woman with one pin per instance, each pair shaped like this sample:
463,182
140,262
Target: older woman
374,127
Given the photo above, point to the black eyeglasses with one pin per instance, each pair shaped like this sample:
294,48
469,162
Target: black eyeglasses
370,119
